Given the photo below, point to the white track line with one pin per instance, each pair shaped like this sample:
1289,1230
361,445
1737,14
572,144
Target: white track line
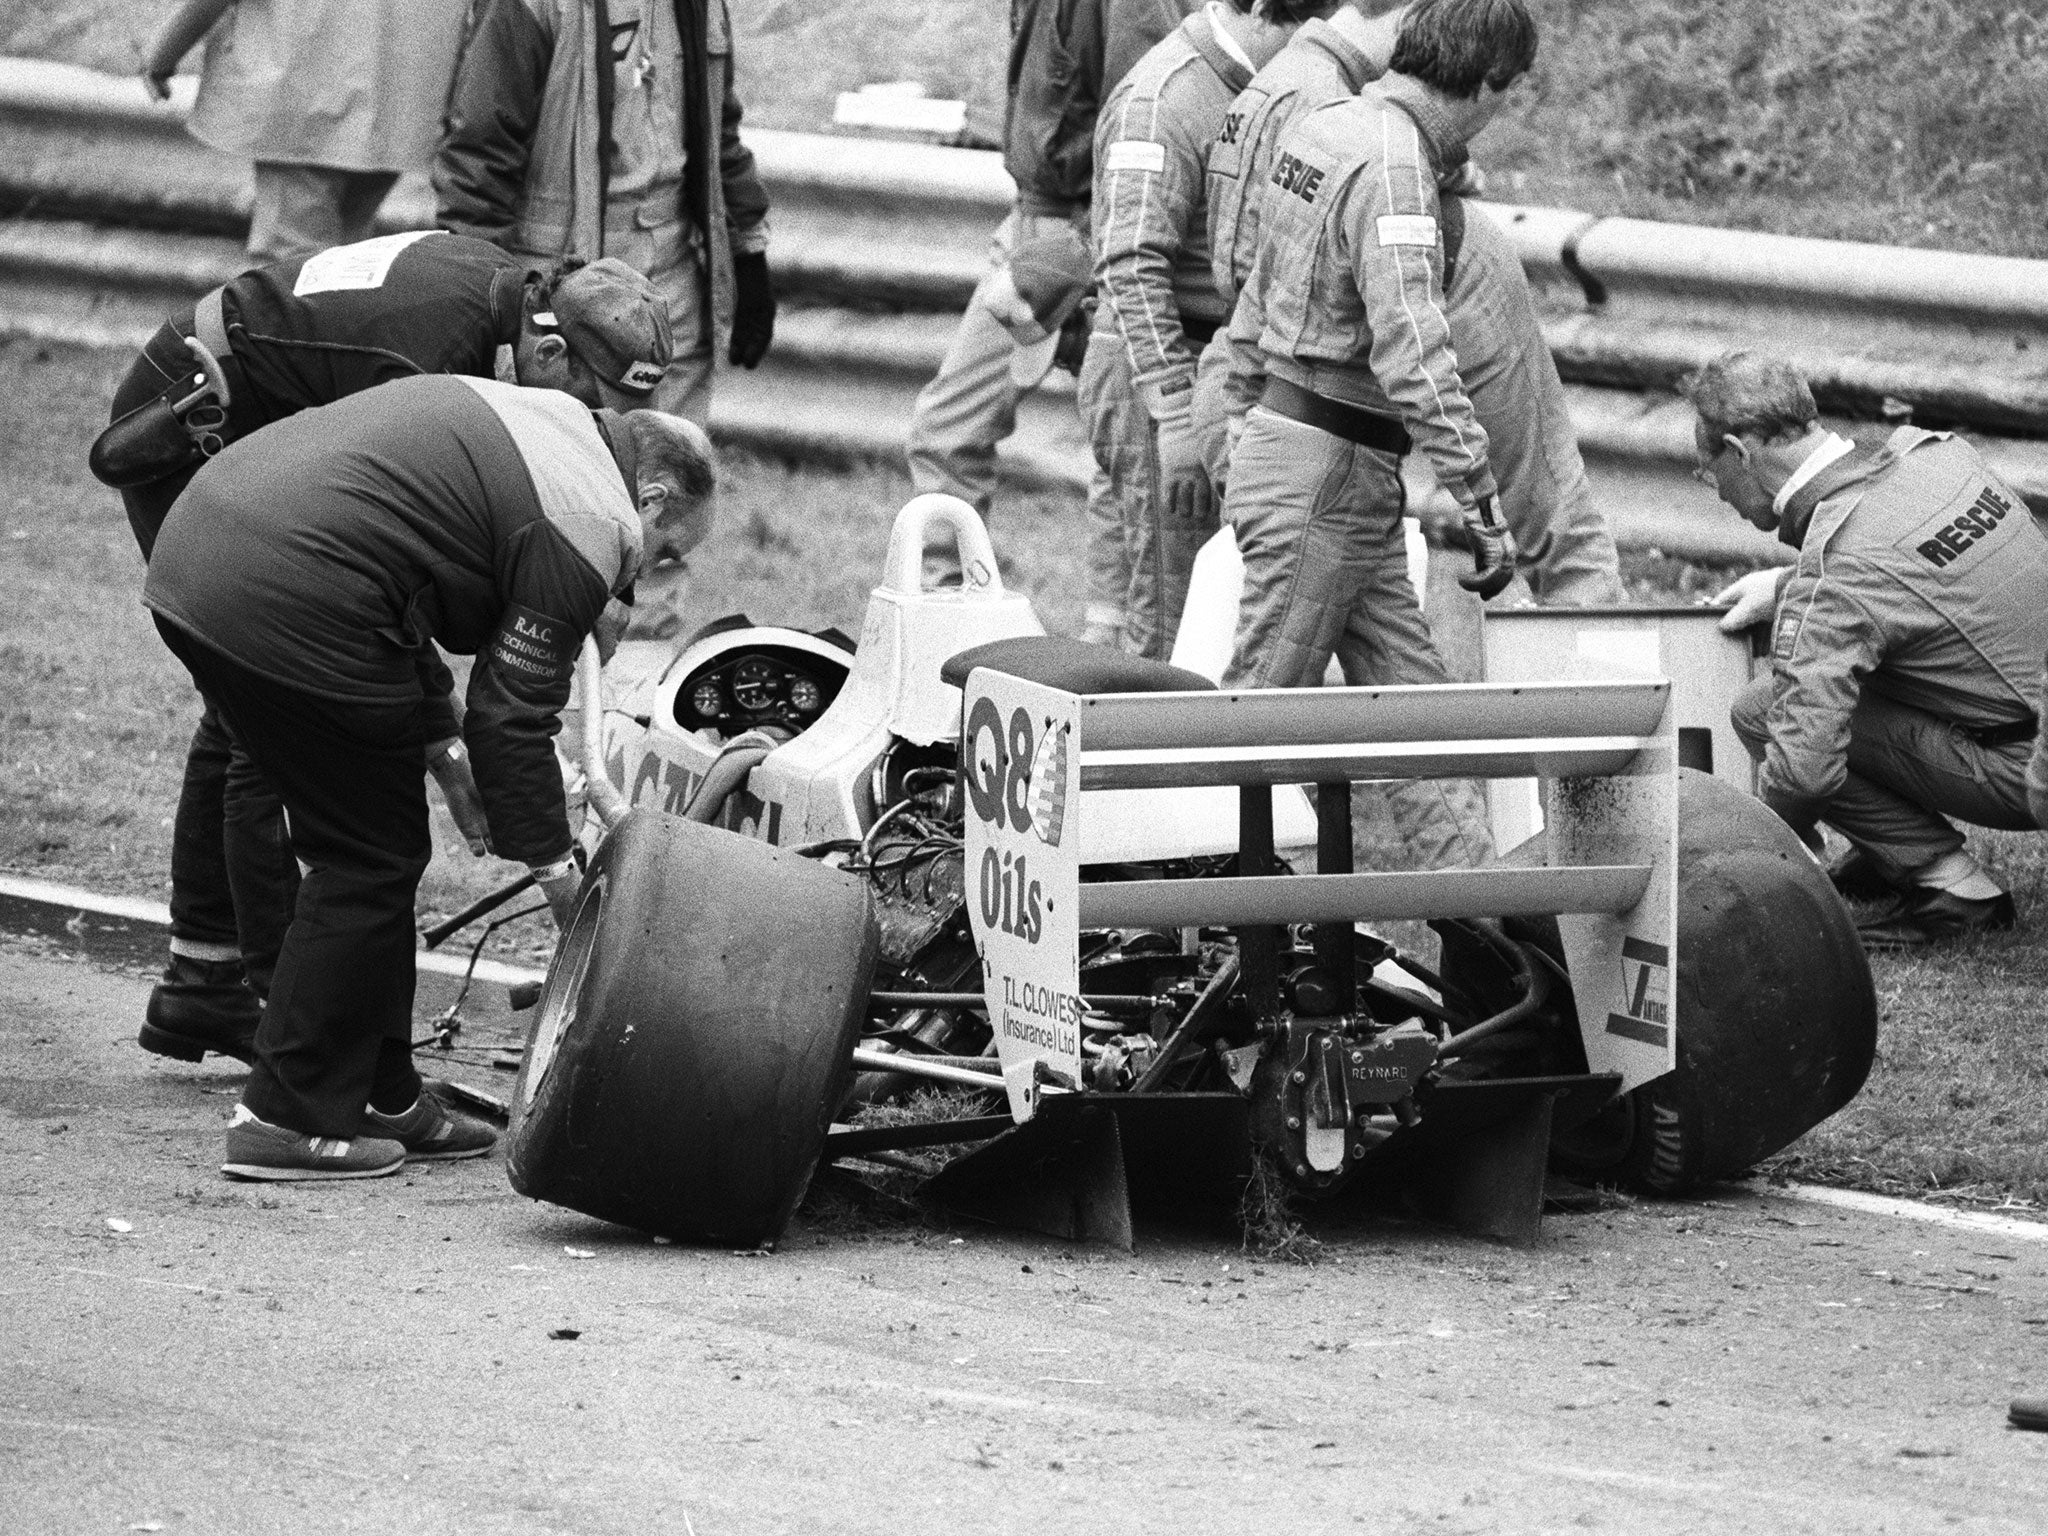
1985,1223
136,910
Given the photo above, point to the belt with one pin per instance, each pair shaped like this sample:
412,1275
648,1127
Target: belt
1353,423
209,326
2006,735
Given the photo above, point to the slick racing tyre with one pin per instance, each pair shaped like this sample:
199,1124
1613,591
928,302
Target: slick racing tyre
694,1034
1776,1013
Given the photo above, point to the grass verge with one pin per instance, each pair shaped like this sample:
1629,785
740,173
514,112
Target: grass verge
97,715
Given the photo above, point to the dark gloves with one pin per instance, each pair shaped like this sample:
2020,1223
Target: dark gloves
1493,552
753,315
1072,347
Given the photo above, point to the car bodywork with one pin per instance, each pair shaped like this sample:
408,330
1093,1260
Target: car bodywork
1074,868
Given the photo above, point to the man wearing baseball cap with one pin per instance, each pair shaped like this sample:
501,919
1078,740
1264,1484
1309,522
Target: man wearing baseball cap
1034,297
274,342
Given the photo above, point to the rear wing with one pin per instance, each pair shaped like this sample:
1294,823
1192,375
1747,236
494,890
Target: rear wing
1605,865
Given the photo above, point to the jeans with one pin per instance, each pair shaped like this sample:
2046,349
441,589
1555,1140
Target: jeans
233,878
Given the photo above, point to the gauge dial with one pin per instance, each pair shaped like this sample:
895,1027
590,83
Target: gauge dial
753,684
804,694
706,699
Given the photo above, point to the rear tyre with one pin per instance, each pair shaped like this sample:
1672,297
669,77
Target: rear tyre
694,1034
1776,1012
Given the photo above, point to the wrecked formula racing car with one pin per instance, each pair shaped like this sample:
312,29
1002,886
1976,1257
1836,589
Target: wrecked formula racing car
1060,879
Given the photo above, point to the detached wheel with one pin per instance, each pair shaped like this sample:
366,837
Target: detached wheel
694,1034
1776,1012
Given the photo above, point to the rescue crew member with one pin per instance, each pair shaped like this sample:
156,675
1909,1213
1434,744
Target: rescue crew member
1157,304
492,520
1563,543
288,337
1906,642
1348,278
1065,56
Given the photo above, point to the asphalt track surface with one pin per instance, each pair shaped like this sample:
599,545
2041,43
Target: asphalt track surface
382,1356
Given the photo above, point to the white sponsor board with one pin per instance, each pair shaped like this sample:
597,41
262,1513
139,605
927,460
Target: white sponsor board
1022,765
1622,964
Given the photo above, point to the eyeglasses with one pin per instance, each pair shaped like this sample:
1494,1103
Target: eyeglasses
1703,469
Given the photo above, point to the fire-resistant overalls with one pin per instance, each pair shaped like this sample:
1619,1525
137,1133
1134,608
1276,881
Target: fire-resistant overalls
1906,653
1357,350
1157,303
1565,548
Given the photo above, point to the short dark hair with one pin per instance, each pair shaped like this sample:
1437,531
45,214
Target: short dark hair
541,285
1752,394
1456,46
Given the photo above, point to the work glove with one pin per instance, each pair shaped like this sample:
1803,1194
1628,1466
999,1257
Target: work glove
1755,597
1493,552
448,761
1185,489
560,882
753,315
1075,330
1464,180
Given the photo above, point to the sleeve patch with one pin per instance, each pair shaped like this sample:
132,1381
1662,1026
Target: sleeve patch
1787,638
363,265
532,645
1135,155
1407,229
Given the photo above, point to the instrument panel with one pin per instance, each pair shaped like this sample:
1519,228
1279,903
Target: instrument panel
748,689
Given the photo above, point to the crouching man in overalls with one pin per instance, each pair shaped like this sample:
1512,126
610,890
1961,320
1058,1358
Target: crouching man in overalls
1906,643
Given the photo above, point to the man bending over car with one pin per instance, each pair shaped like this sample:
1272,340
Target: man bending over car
487,519
279,340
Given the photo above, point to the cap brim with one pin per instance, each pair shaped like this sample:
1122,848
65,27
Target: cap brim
1032,361
619,399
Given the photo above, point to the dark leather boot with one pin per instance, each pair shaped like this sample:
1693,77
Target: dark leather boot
201,1006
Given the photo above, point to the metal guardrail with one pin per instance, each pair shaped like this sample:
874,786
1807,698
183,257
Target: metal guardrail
878,244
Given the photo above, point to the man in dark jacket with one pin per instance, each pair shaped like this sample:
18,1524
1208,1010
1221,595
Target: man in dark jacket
1906,643
302,334
610,128
491,520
